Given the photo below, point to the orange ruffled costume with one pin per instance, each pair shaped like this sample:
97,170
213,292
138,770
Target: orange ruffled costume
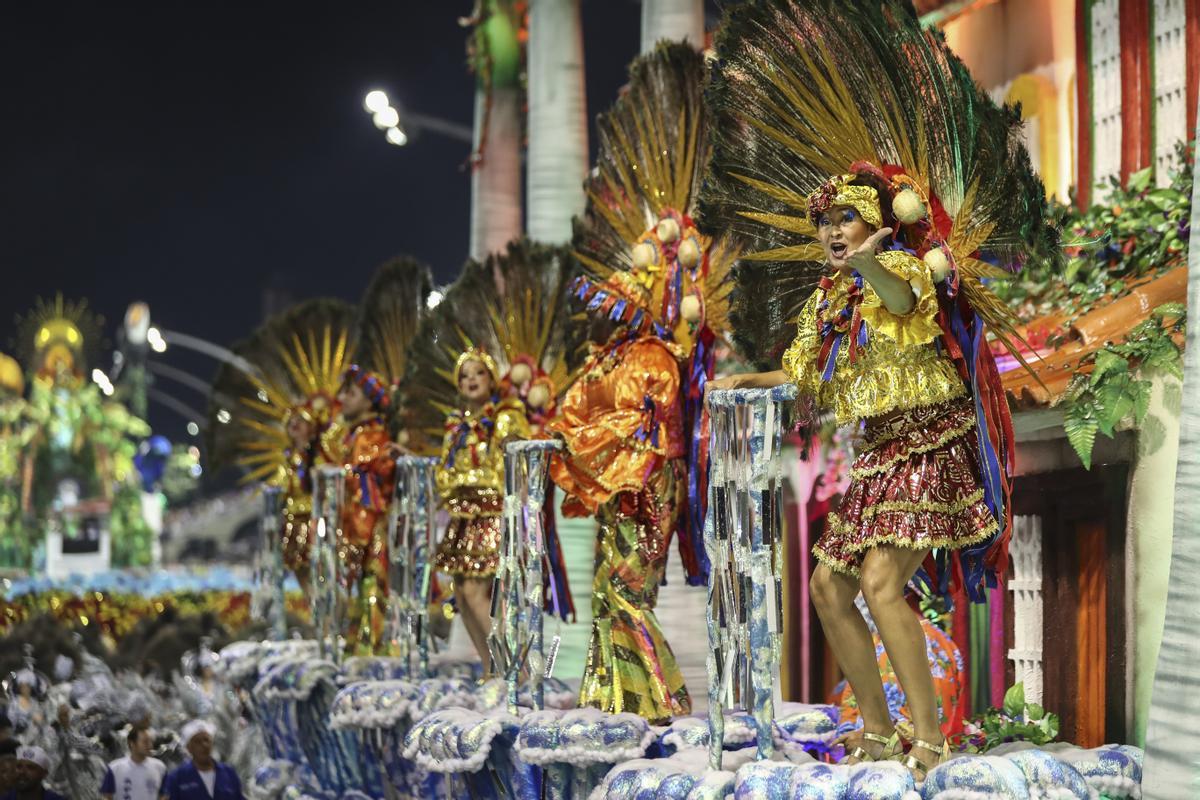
622,427
370,482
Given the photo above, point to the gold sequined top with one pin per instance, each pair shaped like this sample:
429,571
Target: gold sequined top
900,366
472,457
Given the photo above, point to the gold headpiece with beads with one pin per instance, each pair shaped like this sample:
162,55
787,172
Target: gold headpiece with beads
838,191
483,357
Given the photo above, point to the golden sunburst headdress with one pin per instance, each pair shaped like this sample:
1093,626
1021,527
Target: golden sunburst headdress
299,357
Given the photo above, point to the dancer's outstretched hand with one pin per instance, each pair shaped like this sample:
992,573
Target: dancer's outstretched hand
864,254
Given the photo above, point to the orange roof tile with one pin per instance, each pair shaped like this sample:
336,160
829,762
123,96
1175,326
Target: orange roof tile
1107,324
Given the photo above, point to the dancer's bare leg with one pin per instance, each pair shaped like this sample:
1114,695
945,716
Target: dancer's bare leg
886,570
475,604
850,639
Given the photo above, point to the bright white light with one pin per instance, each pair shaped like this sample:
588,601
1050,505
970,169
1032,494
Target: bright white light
223,417
196,470
101,380
157,343
396,137
193,429
262,396
386,117
434,298
375,101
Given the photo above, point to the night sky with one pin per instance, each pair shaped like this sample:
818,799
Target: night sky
192,155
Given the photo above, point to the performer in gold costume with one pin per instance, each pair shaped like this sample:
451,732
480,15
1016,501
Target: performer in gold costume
470,480
305,425
880,187
499,335
282,413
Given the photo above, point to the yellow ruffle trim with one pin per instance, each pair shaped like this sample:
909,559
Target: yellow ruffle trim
917,327
886,506
945,438
886,376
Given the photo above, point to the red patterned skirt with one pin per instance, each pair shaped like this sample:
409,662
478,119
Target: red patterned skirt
916,484
471,546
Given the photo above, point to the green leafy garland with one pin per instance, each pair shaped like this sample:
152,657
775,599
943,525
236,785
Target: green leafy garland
1120,382
1140,232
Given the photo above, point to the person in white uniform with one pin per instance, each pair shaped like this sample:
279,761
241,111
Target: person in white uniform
137,776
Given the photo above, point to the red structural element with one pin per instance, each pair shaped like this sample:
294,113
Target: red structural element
1137,90
1083,106
1193,62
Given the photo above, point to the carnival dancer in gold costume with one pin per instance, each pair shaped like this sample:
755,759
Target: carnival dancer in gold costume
500,334
470,480
280,413
305,424
898,242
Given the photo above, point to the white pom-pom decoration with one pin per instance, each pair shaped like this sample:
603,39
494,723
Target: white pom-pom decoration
938,264
538,397
689,253
907,207
691,308
644,255
520,374
668,230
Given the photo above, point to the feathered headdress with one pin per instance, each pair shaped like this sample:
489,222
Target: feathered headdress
390,315
816,100
514,308
638,230
299,358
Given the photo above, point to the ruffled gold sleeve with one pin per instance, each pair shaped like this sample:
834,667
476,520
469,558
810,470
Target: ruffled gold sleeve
800,360
919,326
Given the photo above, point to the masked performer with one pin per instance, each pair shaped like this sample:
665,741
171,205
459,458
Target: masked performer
280,429
897,241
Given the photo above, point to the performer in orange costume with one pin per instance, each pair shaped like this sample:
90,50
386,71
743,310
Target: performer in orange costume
370,481
622,426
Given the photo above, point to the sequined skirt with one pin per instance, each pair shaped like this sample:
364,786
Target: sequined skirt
916,484
471,545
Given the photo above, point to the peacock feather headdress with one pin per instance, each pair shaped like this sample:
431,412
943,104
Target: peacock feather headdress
642,196
810,90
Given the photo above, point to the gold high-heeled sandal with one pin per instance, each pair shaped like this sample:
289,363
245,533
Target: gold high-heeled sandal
912,763
892,746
